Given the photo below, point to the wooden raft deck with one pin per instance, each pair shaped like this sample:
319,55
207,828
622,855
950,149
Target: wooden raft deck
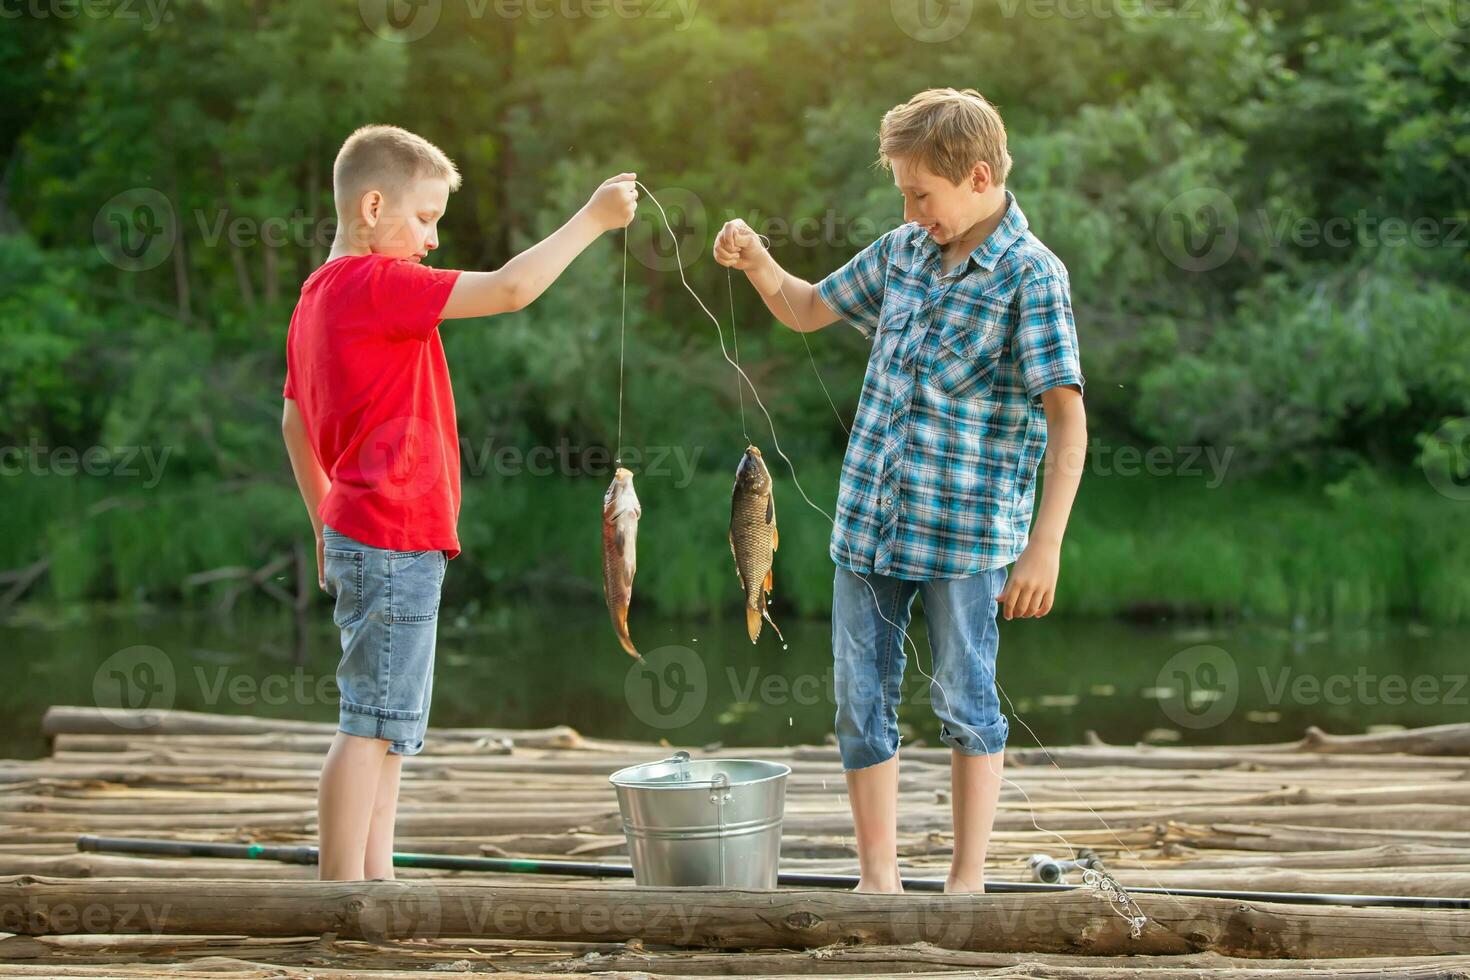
1375,814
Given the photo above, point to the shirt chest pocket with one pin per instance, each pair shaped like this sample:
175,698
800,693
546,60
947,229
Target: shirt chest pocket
894,341
965,358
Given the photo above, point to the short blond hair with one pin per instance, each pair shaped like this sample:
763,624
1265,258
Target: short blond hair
388,158
949,131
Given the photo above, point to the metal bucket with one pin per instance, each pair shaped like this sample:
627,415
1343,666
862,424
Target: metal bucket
711,822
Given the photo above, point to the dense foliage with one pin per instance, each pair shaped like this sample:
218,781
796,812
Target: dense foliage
1263,209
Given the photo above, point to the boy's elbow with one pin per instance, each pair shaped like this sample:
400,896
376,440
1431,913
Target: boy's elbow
518,296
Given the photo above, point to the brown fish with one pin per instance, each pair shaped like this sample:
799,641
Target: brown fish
753,538
620,513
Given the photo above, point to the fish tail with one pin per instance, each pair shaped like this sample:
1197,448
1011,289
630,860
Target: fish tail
753,623
620,624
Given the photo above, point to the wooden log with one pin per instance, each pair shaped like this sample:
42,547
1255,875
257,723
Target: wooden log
1444,884
1287,837
613,959
1082,756
720,918
1451,739
82,719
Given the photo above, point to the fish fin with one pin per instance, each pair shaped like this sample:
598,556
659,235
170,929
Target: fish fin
767,615
775,538
733,554
770,509
770,580
753,623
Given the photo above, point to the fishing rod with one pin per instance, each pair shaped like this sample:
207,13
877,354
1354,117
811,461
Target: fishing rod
305,854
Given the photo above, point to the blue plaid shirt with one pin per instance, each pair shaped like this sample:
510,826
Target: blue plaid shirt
940,474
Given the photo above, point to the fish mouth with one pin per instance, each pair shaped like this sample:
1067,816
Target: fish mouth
622,475
752,451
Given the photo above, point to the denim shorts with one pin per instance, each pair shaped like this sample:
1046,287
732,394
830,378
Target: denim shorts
870,619
388,611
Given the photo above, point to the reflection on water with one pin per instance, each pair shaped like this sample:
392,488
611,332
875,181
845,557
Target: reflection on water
703,682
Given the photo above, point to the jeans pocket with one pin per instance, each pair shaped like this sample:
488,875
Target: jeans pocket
416,579
343,571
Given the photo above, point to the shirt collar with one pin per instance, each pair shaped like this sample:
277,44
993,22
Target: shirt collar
1012,226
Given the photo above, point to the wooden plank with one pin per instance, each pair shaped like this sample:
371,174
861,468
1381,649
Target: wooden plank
720,918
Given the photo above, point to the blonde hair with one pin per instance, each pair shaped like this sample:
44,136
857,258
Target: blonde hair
948,131
386,158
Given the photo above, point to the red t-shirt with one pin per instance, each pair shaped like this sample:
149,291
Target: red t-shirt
366,368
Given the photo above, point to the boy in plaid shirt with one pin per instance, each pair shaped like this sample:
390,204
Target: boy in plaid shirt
973,377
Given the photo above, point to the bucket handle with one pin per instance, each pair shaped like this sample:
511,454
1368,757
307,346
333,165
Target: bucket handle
719,788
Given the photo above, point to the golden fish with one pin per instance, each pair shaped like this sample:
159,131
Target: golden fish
620,513
753,538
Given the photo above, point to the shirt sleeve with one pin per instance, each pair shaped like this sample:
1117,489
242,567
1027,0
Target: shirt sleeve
288,390
1045,344
855,291
409,297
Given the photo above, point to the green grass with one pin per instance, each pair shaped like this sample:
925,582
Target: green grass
1376,546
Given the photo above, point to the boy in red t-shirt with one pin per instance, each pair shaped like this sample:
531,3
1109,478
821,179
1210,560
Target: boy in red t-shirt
369,425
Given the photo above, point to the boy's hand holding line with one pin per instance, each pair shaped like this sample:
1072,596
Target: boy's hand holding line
791,300
515,285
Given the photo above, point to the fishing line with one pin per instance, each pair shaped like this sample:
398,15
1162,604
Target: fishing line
735,342
622,347
1103,883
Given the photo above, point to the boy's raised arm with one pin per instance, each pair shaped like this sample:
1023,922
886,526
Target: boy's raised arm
516,284
791,300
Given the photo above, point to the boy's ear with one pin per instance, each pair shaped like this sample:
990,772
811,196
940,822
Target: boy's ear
370,208
980,176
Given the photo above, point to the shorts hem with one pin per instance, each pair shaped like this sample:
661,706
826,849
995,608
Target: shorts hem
387,714
987,740
861,757
403,733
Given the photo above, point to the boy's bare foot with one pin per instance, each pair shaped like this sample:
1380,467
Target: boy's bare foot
960,886
890,887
